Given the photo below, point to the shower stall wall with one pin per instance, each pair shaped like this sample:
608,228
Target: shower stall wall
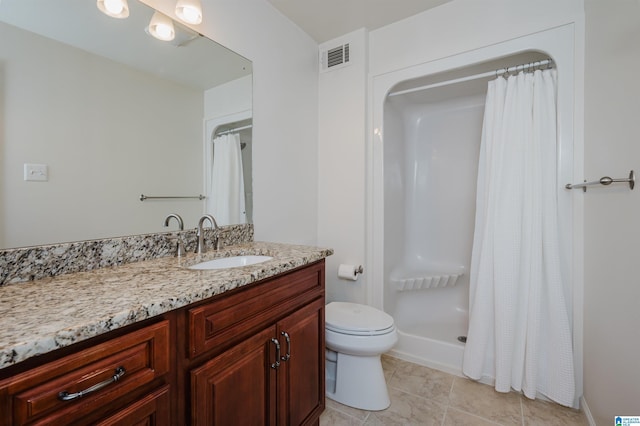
430,183
423,170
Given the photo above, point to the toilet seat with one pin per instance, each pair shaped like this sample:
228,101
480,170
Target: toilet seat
357,320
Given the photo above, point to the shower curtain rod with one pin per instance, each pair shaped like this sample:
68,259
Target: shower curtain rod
496,73
237,129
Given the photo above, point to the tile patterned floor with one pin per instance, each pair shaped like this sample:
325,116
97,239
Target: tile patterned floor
423,396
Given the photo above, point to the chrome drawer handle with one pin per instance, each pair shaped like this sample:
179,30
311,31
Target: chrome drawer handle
277,363
66,396
288,354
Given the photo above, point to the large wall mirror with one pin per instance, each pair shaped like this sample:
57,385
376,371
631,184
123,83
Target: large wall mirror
94,112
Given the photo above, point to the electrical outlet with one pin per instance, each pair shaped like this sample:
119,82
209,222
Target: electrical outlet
36,172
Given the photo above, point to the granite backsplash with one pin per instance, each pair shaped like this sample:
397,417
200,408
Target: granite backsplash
33,263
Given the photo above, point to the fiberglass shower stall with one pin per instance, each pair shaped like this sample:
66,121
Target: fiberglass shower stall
430,165
424,165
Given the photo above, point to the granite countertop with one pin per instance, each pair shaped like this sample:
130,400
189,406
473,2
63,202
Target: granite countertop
43,315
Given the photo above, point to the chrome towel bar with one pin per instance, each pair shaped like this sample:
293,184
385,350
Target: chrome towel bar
145,197
606,180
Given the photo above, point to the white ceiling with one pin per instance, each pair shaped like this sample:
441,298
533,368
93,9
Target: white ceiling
327,19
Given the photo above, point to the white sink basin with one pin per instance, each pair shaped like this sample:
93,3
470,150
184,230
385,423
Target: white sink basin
230,262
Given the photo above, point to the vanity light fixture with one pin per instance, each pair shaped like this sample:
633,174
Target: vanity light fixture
189,11
114,8
161,27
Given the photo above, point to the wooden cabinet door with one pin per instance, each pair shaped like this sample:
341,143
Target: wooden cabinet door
301,385
237,387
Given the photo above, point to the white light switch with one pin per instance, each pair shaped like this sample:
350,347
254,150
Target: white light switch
36,172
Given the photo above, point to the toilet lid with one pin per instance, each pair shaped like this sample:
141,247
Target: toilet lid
353,318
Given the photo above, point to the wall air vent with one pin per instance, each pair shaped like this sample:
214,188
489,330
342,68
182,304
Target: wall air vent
337,57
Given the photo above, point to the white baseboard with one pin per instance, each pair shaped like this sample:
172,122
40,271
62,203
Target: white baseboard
587,412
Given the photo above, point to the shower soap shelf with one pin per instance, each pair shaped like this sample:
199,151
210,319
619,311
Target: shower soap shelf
414,279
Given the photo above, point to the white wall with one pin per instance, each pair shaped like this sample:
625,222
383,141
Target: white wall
229,98
285,112
612,230
341,153
463,25
125,149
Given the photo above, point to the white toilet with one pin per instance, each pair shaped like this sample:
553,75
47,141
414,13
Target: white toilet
356,336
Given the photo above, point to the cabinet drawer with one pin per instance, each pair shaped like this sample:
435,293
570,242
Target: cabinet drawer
152,410
219,322
35,394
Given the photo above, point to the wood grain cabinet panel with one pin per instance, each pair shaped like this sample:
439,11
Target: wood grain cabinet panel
238,386
151,410
33,397
301,381
230,318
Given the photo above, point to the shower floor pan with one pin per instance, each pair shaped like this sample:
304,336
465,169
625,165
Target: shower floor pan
442,332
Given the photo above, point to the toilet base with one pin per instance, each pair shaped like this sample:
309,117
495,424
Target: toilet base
359,382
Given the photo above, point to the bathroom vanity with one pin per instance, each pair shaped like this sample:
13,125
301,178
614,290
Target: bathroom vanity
172,345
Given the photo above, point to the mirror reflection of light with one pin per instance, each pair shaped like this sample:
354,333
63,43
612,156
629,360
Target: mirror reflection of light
161,27
190,11
114,8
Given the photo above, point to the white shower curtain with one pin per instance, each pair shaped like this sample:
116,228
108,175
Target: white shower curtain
225,182
519,327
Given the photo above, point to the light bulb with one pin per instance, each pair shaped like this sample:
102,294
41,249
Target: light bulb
191,15
189,11
161,27
114,8
164,32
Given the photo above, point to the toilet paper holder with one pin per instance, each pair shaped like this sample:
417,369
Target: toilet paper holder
350,272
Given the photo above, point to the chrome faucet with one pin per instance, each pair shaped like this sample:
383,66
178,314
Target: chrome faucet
201,248
180,247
